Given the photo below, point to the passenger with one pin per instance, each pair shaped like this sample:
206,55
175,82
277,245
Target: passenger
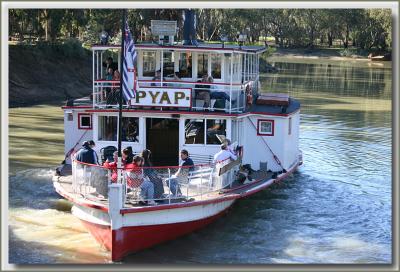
229,146
132,131
109,63
86,154
217,94
113,96
157,77
224,154
203,91
152,175
136,179
182,174
113,167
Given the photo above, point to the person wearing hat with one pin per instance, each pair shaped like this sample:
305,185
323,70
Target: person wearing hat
224,154
86,154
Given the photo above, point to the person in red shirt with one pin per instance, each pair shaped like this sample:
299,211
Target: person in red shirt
113,166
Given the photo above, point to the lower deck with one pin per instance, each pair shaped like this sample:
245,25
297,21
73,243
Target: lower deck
99,194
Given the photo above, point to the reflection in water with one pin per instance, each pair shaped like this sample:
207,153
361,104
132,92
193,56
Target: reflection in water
335,209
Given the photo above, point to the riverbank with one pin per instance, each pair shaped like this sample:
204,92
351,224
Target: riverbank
48,73
324,53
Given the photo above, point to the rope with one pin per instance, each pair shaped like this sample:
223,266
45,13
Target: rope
73,149
273,154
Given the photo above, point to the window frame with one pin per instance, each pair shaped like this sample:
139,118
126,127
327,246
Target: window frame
205,131
261,133
142,63
80,126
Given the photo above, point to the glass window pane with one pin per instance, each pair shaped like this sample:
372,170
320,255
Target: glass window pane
194,131
108,128
202,65
85,121
149,63
216,66
266,127
168,65
130,129
216,131
185,65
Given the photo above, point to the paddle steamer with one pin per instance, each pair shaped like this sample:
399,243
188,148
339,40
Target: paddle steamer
167,115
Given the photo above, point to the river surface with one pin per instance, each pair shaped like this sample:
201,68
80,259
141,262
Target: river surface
335,209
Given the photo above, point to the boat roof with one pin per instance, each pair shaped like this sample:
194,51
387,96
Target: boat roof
202,46
294,105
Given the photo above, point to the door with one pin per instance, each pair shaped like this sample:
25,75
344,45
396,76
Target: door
162,138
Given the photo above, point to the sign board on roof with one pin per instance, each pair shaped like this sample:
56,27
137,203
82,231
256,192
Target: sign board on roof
163,28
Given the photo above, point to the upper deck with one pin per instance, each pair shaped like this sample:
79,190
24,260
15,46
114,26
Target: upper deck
206,77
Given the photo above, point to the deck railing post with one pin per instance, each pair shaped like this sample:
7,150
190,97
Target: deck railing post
169,185
115,197
230,88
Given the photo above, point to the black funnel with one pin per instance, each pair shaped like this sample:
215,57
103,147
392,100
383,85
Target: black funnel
189,27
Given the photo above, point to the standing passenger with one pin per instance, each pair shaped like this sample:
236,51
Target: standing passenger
86,154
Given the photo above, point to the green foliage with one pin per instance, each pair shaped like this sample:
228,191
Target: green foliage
368,29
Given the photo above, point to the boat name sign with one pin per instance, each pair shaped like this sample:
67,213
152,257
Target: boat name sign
168,97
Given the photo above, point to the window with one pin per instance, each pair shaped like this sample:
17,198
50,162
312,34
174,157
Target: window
216,66
130,129
84,121
185,65
194,131
202,65
149,63
168,64
108,128
216,131
290,126
265,127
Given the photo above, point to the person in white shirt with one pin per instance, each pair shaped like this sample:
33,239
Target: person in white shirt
224,154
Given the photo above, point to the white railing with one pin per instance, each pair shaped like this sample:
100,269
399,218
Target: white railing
222,96
151,185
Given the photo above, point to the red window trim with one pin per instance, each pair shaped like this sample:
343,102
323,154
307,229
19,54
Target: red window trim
79,120
259,126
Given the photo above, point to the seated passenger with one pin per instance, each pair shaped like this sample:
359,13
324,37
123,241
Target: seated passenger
152,174
113,166
203,91
223,155
182,174
157,77
136,179
215,94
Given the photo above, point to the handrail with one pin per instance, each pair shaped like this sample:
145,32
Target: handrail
151,167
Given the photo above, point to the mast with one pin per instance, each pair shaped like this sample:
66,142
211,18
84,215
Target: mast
121,83
119,163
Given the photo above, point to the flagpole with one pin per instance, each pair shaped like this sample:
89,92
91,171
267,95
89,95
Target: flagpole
121,82
119,163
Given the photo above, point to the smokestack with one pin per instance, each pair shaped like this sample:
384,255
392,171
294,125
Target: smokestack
189,27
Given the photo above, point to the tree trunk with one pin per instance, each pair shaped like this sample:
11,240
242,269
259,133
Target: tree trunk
330,39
